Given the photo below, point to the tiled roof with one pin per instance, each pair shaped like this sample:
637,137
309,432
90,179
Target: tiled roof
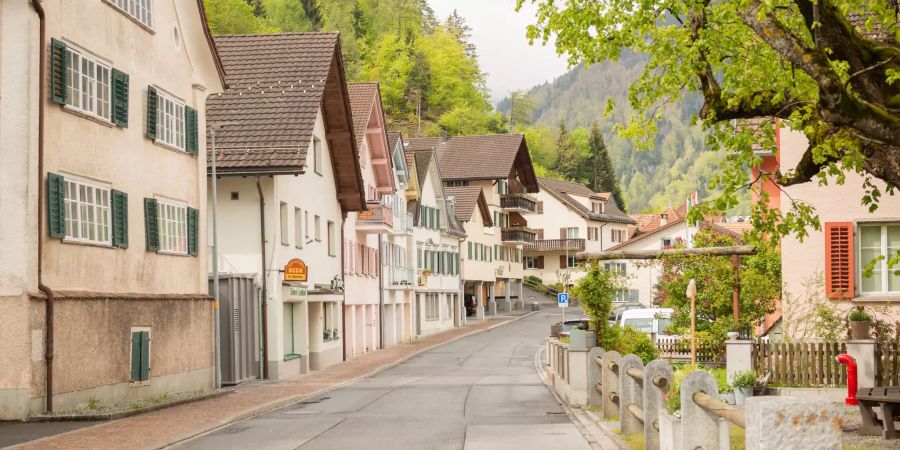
466,200
636,238
362,98
393,137
562,190
483,157
423,162
276,83
646,223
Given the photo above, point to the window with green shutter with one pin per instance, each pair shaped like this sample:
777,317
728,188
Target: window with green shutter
419,258
191,127
151,224
56,210
119,219
470,249
140,355
58,68
193,221
152,100
120,98
437,219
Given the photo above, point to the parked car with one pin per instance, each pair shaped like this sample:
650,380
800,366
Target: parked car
615,314
574,323
470,304
648,320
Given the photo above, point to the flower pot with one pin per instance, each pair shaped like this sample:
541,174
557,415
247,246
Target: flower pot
859,329
741,394
555,329
669,431
582,339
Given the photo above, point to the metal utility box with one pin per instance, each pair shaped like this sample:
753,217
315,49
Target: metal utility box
238,327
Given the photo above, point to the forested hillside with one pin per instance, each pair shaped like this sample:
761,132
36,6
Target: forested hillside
676,166
428,70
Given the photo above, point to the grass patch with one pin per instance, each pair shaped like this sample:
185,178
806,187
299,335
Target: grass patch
634,441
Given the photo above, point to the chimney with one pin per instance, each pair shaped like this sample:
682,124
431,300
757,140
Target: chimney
663,219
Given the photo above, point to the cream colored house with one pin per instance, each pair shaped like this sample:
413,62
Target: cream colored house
288,174
571,218
102,205
365,232
437,236
828,265
499,166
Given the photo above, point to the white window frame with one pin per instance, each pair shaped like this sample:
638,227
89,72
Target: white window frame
170,121
881,270
98,224
298,228
88,81
617,267
332,239
572,233
598,207
432,307
173,232
139,10
317,221
531,262
284,223
616,235
620,296
317,155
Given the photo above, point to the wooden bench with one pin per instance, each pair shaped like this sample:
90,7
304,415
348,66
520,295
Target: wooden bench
888,398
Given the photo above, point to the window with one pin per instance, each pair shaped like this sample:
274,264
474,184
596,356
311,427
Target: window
140,10
531,262
598,207
140,354
502,187
318,224
457,183
298,229
640,325
87,212
620,296
665,243
89,84
332,241
567,262
170,121
172,227
662,325
306,224
616,267
432,307
317,155
572,233
288,334
283,215
617,235
882,242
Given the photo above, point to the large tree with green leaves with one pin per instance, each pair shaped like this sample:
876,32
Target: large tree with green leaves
828,68
569,160
603,173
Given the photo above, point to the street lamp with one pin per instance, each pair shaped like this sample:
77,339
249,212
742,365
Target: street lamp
216,126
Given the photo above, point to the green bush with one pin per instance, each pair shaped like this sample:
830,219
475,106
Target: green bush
745,378
629,341
859,314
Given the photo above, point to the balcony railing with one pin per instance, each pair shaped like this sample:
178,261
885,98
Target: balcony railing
399,277
517,235
403,222
377,217
552,245
517,202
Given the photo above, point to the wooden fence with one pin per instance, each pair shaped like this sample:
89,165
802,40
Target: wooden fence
679,350
887,364
802,364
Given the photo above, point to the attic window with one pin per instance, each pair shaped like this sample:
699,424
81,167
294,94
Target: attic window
598,207
235,195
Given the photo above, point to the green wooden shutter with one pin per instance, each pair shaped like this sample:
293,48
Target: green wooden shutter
190,126
58,67
470,249
135,356
152,100
145,355
437,217
120,98
119,219
56,205
419,258
151,223
193,222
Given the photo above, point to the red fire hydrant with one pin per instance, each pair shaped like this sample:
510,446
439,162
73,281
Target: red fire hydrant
848,361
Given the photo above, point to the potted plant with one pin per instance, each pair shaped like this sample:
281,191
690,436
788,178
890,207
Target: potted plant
670,420
326,335
743,383
860,323
581,338
334,334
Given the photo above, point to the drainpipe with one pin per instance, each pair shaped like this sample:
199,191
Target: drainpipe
264,277
601,235
380,269
51,296
342,309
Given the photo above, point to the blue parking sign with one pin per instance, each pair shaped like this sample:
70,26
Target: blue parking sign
562,299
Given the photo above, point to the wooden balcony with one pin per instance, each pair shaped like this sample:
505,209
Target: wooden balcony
517,235
556,245
377,218
520,203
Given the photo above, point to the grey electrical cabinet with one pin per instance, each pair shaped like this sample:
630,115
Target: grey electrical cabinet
238,327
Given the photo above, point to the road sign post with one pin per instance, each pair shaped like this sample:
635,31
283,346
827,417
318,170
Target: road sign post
562,300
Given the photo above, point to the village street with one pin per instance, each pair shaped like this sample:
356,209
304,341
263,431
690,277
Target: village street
480,392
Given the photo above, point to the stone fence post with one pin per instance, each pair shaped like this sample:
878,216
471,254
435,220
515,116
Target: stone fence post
788,422
738,357
609,379
577,376
595,386
699,427
631,392
658,377
863,352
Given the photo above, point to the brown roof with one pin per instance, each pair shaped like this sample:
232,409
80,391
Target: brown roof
484,157
393,138
561,190
466,199
362,99
277,83
648,222
644,235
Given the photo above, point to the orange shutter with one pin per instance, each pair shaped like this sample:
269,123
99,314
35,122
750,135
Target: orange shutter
839,274
562,261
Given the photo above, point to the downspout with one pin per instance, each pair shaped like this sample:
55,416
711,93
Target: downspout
343,309
51,296
380,269
601,235
264,277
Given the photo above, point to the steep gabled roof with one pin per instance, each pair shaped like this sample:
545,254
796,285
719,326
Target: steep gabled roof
483,157
207,33
563,191
365,105
277,83
665,227
362,100
393,138
466,199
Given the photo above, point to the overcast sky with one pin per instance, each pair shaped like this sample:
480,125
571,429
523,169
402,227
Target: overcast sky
503,51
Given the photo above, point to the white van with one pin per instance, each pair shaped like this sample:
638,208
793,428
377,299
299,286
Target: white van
648,320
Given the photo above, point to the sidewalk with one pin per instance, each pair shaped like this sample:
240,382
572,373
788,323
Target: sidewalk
164,427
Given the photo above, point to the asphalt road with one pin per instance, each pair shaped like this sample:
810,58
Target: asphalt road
480,392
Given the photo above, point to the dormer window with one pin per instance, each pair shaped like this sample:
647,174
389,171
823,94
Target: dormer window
598,207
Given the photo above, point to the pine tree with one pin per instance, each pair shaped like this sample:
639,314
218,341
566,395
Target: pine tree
603,172
258,9
568,158
521,106
311,8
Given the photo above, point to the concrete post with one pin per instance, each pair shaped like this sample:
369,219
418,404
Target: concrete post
479,300
520,302
579,382
492,302
631,392
507,302
655,399
609,375
738,357
863,352
700,428
788,422
595,396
